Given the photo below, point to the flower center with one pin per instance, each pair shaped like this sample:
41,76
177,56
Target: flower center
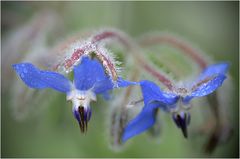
182,120
181,91
181,106
181,116
81,98
81,106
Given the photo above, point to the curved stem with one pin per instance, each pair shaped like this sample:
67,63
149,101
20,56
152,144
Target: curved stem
89,49
104,35
177,43
135,50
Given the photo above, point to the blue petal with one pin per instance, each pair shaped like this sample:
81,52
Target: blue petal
153,98
151,92
35,78
206,88
107,95
107,84
141,123
87,73
214,70
123,83
90,74
103,86
208,81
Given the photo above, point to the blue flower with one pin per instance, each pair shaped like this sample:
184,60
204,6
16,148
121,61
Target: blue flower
176,101
89,80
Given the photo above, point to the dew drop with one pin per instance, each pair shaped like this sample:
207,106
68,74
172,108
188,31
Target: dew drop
67,71
16,66
25,70
22,75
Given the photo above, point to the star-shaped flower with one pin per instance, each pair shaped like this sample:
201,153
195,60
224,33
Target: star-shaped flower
176,101
89,80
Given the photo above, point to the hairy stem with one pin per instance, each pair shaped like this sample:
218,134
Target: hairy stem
88,48
186,48
135,50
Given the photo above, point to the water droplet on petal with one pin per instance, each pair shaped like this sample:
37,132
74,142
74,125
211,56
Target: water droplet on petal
16,67
25,70
22,75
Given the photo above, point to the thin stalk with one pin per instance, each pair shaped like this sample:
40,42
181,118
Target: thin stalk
89,49
186,48
135,50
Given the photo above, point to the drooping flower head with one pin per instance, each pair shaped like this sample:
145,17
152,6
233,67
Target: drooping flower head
176,101
89,80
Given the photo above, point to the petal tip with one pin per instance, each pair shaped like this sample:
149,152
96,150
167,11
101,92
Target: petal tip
15,66
125,137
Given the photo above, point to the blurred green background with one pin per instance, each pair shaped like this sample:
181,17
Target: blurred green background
212,26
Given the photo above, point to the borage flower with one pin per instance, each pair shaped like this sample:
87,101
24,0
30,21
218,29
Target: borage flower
176,101
89,80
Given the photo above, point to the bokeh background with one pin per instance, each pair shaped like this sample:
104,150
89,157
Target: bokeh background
212,26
